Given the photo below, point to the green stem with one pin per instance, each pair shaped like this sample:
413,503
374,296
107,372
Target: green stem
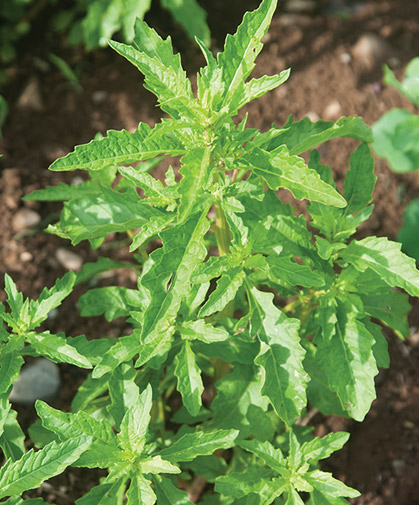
222,233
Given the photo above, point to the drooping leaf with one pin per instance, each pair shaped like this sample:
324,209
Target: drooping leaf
345,356
385,258
106,493
304,135
12,439
189,382
280,357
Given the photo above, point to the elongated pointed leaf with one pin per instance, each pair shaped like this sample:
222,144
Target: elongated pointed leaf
286,270
51,298
304,135
107,493
236,392
10,365
191,445
284,170
140,491
280,357
112,301
240,51
258,87
189,382
103,264
325,483
227,287
346,357
34,468
322,448
197,172
12,441
118,147
360,180
168,494
205,332
57,349
385,258
182,250
95,216
265,451
162,69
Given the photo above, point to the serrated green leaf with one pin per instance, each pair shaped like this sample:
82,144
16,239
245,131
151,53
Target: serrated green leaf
140,491
345,356
10,365
304,135
409,86
385,258
151,228
286,270
189,382
112,301
95,216
191,445
57,348
266,452
157,465
118,147
360,180
325,483
205,332
281,169
243,483
34,468
227,287
168,494
197,172
235,393
106,493
164,75
256,88
14,298
135,421
12,440
182,251
322,448
104,450
240,51
280,357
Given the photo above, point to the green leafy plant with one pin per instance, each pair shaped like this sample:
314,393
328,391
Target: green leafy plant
396,138
243,316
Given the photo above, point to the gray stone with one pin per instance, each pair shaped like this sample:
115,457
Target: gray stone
370,51
38,381
69,259
24,219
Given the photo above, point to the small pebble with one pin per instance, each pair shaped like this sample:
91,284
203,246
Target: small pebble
99,96
38,381
301,6
24,219
345,58
332,111
69,259
26,257
370,51
313,116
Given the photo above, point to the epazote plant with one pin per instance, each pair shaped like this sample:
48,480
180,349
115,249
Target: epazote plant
271,313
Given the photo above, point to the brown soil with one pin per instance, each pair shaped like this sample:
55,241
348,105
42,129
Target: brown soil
382,457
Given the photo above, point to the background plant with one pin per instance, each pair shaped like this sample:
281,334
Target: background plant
396,139
239,294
